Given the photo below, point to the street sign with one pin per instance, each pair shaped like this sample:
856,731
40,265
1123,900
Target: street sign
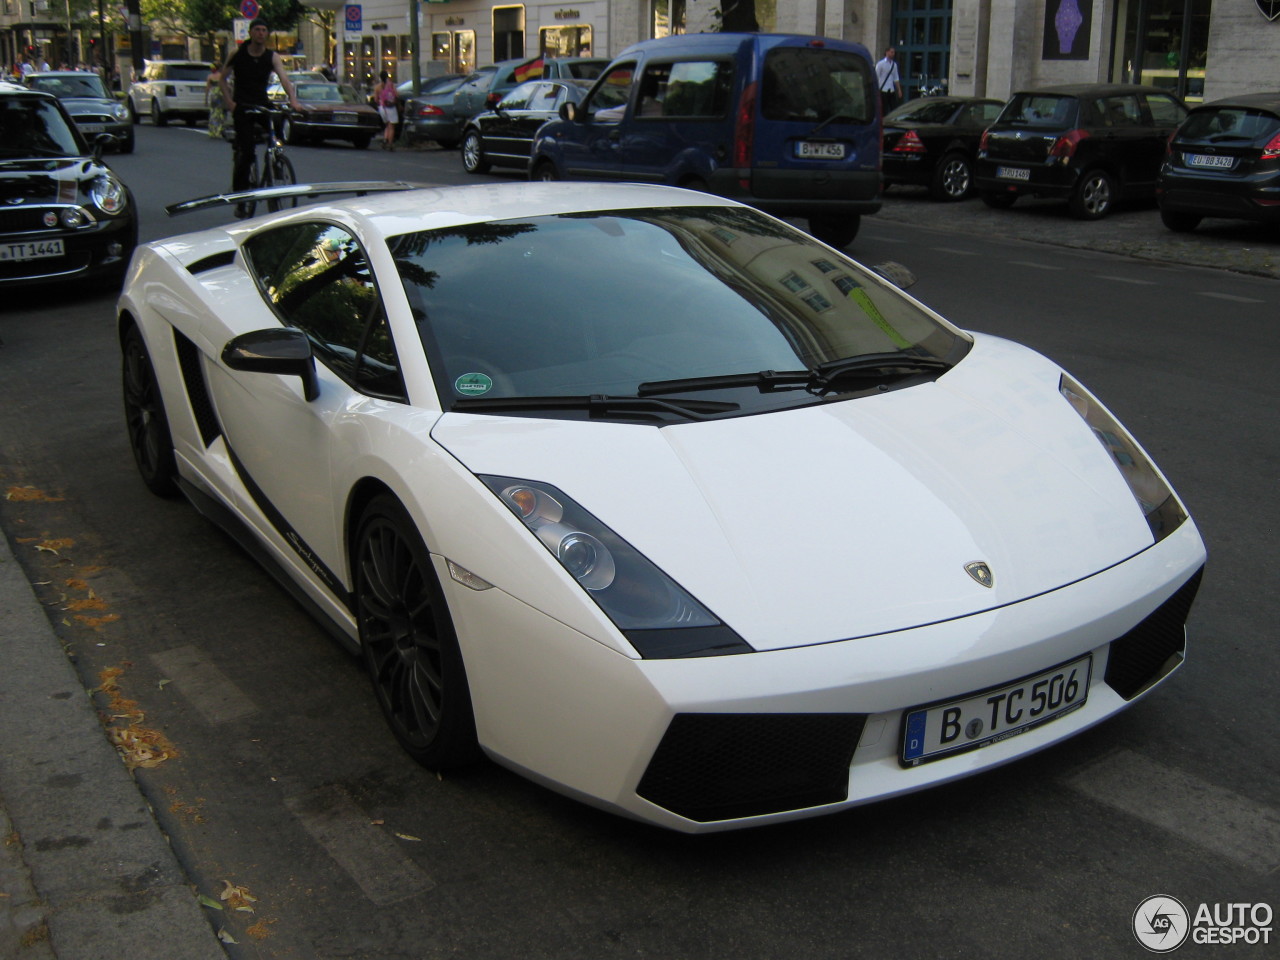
249,9
353,18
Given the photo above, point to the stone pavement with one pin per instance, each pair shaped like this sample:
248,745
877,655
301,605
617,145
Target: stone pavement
85,870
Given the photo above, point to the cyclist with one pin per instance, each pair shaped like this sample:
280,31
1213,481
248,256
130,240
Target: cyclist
243,84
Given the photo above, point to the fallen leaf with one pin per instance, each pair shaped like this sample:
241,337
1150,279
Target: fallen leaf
208,901
226,937
405,836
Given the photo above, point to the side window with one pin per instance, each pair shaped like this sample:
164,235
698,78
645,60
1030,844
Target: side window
316,277
608,99
547,97
1120,111
518,99
687,89
989,112
1165,111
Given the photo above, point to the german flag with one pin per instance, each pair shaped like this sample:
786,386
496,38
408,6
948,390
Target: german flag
529,70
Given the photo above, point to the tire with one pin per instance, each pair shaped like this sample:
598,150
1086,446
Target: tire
126,145
408,640
1094,196
835,232
133,112
145,419
999,201
289,131
447,144
362,143
473,160
1179,222
158,119
546,171
280,174
952,178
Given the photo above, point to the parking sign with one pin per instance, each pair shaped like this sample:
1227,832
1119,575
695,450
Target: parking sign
352,18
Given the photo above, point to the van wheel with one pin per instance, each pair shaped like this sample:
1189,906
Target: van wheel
835,232
1179,222
952,178
545,170
999,201
1093,196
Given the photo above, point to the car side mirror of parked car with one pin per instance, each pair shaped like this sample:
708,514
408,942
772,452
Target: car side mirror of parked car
568,111
100,144
286,352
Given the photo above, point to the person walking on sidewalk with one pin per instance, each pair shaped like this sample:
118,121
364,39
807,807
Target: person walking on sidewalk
889,80
384,95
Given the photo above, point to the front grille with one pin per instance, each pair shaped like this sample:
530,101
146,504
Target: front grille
26,219
1139,658
721,766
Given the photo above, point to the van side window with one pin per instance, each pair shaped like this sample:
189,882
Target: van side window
815,84
695,88
608,100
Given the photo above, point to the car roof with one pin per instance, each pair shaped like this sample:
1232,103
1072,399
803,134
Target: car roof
1090,90
728,42
64,73
1264,101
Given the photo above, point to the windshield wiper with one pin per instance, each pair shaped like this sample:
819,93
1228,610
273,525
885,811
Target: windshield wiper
868,366
765,380
599,404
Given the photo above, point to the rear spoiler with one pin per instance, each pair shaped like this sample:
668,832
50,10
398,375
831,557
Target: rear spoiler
295,191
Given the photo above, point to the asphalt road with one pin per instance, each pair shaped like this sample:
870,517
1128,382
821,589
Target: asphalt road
285,782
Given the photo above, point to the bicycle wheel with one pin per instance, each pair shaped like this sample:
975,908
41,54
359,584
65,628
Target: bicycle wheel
280,171
249,207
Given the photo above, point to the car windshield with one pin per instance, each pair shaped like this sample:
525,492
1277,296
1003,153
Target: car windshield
324,93
816,84
87,85
923,111
1040,110
599,303
34,127
1229,123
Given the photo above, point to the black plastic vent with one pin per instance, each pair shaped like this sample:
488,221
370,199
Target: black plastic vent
1138,658
212,262
197,389
721,766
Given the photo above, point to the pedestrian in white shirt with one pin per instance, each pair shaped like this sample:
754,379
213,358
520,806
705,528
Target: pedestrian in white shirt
889,81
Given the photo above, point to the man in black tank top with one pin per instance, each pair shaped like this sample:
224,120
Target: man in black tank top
244,83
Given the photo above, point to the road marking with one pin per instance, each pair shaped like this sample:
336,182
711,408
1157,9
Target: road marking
886,239
1229,296
958,253
1204,814
1142,283
1038,266
364,850
208,688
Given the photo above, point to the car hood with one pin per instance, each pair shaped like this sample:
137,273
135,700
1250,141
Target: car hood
852,518
76,105
47,181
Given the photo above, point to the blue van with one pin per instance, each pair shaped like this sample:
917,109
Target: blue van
789,124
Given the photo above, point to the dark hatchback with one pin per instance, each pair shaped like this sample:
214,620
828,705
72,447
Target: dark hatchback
932,142
1224,161
1090,144
64,215
503,137
90,104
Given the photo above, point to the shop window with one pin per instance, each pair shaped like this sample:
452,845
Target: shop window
508,33
565,41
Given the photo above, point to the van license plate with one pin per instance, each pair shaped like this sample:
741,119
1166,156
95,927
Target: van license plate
35,250
1209,161
816,150
1013,173
931,733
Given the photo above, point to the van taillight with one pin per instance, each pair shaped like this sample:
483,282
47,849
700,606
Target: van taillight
909,142
1065,145
1272,150
744,128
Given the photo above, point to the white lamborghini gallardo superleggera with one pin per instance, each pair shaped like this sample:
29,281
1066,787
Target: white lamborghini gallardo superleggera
654,498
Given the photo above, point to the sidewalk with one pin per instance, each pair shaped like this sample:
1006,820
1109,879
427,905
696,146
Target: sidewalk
85,872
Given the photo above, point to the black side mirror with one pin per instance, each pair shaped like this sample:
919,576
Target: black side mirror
285,351
568,111
100,144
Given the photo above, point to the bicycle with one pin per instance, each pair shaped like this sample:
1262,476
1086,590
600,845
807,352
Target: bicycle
276,169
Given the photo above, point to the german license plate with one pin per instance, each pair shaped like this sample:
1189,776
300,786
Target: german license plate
1013,173
345,118
92,127
1209,161
944,729
33,250
819,150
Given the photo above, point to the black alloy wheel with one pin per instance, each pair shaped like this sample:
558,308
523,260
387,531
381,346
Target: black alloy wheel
545,171
473,160
1179,222
408,640
999,201
145,419
835,232
952,178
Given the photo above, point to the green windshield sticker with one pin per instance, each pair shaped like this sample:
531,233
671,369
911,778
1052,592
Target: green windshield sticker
853,290
473,384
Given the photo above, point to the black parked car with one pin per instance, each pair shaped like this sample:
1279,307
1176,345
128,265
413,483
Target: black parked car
63,214
1091,144
1224,161
90,104
504,136
932,142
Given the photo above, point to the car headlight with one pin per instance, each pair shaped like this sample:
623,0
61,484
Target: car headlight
120,111
108,194
658,616
1161,508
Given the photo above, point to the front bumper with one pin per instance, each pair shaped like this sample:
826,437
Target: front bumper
709,744
100,250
